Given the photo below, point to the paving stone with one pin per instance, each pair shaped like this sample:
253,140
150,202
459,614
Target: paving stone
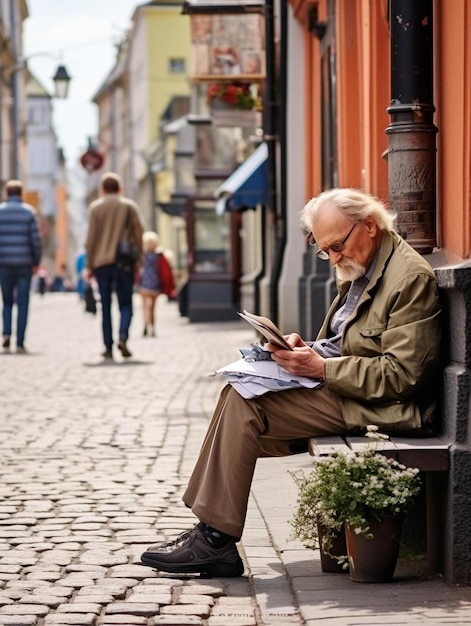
19,620
83,526
5,599
135,519
80,607
6,568
38,505
123,620
97,570
106,559
58,557
96,596
235,621
44,598
190,598
64,619
150,596
215,590
38,574
116,592
111,546
178,620
54,590
76,580
26,560
24,609
133,527
20,586
32,543
131,571
91,519
201,610
9,532
42,567
8,577
133,608
17,519
137,538
117,583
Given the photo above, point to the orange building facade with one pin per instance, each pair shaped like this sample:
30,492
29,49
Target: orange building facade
348,92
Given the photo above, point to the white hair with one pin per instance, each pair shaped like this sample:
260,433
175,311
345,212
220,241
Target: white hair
353,203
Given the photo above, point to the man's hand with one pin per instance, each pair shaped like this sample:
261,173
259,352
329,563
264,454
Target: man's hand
301,361
88,274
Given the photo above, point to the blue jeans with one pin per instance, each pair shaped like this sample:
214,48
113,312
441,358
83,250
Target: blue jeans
15,279
113,278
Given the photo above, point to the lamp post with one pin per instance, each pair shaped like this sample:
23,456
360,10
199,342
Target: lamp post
61,80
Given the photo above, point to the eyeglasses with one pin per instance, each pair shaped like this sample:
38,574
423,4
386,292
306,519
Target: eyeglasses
336,246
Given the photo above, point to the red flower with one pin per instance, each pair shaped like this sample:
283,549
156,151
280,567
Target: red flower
237,95
231,94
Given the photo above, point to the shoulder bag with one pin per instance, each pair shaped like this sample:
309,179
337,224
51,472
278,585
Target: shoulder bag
126,253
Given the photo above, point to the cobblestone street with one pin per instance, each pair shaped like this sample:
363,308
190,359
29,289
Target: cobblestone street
94,458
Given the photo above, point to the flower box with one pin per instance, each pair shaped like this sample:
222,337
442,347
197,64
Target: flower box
236,117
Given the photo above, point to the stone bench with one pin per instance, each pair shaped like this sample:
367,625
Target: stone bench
446,458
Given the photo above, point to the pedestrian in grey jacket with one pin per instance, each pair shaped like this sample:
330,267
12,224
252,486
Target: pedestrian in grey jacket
20,254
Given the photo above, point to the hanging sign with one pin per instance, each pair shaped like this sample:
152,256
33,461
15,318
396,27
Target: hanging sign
92,160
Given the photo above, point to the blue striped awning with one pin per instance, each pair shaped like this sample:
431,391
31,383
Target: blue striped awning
247,186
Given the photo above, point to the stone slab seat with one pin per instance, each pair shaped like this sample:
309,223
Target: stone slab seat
428,454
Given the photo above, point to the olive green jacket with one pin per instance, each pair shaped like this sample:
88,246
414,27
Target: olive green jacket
391,343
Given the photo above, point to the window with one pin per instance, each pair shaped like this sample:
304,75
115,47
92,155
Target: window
211,233
176,66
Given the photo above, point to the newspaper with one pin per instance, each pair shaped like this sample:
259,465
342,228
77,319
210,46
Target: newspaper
254,378
256,372
267,328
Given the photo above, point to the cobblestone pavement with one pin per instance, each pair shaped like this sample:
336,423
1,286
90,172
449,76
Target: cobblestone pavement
94,458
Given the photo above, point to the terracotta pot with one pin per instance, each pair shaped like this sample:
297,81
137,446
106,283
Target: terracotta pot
339,548
374,560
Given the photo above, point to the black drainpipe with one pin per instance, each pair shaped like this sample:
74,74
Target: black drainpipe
412,134
277,131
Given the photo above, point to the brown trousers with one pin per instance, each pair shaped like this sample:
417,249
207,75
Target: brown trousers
274,424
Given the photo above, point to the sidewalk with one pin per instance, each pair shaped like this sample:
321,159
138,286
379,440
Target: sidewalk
94,459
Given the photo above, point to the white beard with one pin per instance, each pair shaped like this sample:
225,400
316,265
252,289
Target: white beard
349,270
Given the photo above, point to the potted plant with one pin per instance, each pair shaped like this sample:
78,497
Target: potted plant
234,104
366,492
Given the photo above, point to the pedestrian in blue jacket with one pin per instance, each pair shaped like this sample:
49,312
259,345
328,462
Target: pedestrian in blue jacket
20,254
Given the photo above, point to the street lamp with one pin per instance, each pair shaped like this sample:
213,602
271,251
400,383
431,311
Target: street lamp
61,80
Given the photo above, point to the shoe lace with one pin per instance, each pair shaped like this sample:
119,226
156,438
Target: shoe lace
173,543
182,537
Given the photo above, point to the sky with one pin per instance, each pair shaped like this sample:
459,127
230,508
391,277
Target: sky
82,35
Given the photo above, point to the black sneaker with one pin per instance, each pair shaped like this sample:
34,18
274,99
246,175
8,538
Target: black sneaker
107,354
6,342
190,553
124,349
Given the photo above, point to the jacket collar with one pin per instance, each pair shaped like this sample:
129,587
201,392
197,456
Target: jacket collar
388,245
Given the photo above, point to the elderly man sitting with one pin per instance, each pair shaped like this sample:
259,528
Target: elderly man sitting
377,354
